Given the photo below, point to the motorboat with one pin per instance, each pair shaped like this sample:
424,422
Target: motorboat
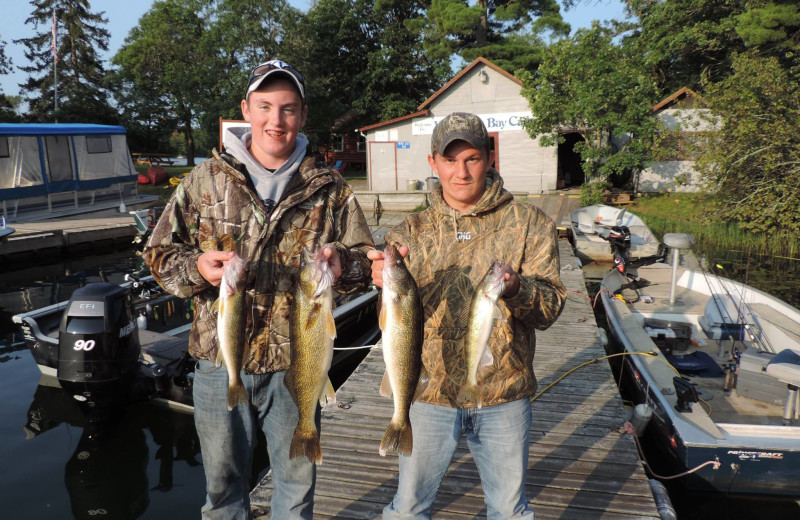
713,366
594,226
114,343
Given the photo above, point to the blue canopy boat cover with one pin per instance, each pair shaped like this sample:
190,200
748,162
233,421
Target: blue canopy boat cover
85,162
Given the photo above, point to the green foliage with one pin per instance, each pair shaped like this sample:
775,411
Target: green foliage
161,70
768,25
753,164
505,32
80,74
592,192
591,85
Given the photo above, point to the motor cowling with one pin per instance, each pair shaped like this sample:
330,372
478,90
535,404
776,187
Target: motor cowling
98,346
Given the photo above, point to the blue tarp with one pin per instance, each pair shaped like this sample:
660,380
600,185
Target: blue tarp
8,129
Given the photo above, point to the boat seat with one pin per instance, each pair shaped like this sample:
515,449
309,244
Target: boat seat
785,366
585,223
679,240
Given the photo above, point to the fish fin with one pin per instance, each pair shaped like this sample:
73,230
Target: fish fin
497,314
220,358
382,318
215,307
328,394
386,385
313,316
486,358
306,444
236,395
397,439
331,326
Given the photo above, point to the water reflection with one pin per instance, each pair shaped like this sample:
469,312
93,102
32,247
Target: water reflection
107,473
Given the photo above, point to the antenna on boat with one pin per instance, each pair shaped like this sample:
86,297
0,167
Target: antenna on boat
676,242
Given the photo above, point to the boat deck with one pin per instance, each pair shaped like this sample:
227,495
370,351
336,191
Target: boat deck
724,406
579,465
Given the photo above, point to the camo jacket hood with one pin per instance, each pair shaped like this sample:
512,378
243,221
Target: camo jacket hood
449,254
216,207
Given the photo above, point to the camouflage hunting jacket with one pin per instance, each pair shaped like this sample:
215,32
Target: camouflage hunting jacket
449,254
216,207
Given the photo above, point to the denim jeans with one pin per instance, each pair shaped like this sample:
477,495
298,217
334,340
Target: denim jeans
228,439
498,437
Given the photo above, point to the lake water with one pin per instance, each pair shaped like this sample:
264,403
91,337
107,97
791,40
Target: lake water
147,464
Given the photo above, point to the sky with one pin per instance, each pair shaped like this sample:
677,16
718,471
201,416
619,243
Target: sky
124,15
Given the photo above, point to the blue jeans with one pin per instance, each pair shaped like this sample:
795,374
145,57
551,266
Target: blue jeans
228,439
498,437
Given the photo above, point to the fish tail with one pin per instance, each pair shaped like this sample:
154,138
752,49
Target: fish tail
470,394
306,443
397,439
236,395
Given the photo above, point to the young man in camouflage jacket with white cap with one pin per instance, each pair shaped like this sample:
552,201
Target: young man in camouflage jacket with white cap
448,248
265,199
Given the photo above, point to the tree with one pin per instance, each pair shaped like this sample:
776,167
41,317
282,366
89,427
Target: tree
162,62
753,165
503,31
81,96
240,34
600,89
7,103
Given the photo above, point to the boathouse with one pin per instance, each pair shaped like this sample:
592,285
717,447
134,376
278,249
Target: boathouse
397,149
686,126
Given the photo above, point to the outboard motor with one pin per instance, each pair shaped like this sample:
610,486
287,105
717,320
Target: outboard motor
98,347
620,241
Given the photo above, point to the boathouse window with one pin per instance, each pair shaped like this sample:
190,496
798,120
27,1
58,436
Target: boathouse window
98,144
4,147
337,142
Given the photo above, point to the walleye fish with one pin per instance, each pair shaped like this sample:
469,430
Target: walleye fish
312,333
400,320
483,311
231,317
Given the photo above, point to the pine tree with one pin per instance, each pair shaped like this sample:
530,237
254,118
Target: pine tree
7,112
79,73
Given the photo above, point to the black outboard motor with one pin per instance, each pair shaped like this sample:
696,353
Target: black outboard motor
98,347
620,241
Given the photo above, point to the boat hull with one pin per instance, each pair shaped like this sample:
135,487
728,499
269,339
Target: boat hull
748,456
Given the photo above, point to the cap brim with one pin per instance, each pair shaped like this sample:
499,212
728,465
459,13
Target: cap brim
271,74
478,144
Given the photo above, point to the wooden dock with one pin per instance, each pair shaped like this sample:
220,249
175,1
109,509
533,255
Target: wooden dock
58,236
579,467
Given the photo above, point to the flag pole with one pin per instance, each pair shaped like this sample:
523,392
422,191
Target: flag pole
54,47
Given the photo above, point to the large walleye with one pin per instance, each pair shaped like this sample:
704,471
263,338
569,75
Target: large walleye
231,317
312,333
483,311
401,322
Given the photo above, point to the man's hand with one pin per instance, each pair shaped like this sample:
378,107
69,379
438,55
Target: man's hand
377,263
210,265
512,281
334,262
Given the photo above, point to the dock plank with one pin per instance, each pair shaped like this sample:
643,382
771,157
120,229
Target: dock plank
580,466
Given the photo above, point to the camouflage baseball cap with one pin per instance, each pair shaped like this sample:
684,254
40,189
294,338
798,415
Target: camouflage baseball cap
459,126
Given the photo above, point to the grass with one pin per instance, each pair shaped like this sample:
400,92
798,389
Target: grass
689,213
